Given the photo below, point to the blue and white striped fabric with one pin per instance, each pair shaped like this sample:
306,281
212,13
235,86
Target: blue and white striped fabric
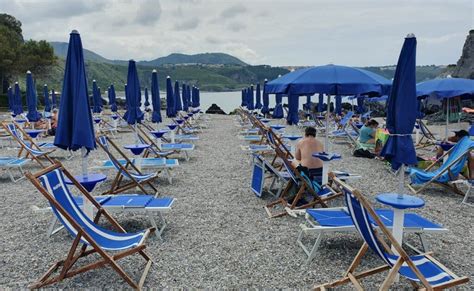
106,239
321,191
177,146
12,129
363,223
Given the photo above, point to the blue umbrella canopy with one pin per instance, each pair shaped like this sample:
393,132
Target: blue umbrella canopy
258,103
360,104
401,109
155,98
95,97
31,99
11,102
17,98
250,105
184,97
147,101
194,97
338,108
198,97
99,100
112,98
170,106
321,102
293,104
266,100
330,80
133,95
75,129
47,104
54,99
278,110
445,88
243,103
177,98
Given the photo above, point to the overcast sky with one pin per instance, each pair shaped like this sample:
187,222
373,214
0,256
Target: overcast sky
275,32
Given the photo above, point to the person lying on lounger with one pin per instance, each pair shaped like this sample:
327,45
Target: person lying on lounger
458,135
304,159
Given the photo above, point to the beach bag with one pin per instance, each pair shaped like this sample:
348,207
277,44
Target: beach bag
362,153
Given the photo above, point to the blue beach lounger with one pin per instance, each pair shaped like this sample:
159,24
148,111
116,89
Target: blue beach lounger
423,271
9,164
89,237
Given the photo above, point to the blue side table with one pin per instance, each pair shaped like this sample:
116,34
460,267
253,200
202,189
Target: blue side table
158,134
89,182
277,127
137,150
172,127
326,158
33,133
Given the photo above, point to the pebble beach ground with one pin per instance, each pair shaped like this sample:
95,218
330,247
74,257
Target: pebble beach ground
219,235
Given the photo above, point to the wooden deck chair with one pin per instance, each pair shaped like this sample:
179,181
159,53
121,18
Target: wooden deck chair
423,271
125,170
427,137
448,172
165,149
27,145
319,195
95,239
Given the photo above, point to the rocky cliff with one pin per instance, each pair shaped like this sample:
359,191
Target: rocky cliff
465,66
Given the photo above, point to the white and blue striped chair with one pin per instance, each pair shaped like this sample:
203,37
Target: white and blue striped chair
94,239
10,163
421,270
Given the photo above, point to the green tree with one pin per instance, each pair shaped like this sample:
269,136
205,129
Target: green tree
36,56
11,40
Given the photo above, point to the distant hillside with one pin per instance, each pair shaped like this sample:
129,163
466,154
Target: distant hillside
423,73
60,49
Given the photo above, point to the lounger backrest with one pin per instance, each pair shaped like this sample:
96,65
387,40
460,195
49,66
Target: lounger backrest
14,132
313,184
456,160
289,169
103,141
346,118
55,185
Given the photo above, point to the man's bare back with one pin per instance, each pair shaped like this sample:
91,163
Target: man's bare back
304,152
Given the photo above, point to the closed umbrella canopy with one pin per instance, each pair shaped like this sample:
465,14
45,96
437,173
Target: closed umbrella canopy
54,99
266,100
250,104
198,97
95,98
338,109
177,98
194,97
360,104
75,129
278,110
243,103
293,104
330,80
11,102
401,110
112,98
47,104
307,105
445,88
170,106
31,99
17,98
155,98
133,95
258,103
147,101
184,97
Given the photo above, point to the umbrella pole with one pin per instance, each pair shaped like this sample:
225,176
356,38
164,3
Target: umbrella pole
326,139
401,177
84,161
88,207
136,133
447,120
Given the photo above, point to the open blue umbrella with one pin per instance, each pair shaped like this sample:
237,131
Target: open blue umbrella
112,98
338,108
147,102
401,109
258,103
250,98
278,110
47,104
155,98
54,99
18,109
445,88
266,100
184,97
177,98
134,114
11,102
170,106
321,102
75,130
31,99
293,104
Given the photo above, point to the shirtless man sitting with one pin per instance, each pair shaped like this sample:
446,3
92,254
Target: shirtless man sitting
304,154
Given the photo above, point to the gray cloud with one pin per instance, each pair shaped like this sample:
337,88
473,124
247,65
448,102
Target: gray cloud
236,26
187,24
233,11
213,40
149,12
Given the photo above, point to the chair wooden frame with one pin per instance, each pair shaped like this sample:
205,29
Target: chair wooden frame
65,266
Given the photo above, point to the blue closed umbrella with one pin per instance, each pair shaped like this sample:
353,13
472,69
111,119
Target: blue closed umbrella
243,102
147,102
194,97
155,98
401,109
320,102
11,102
170,106
293,104
278,110
31,99
360,104
54,99
338,108
95,97
258,103
75,129
133,95
100,99
266,100
184,97
250,99
17,98
177,98
307,105
47,104
112,98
